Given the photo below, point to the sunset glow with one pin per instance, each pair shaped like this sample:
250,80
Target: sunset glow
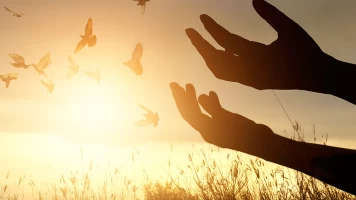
41,133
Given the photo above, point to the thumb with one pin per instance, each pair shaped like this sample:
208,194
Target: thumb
211,103
274,17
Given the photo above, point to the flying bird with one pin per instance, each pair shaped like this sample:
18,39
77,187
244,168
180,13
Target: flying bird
134,64
88,38
44,62
49,85
151,118
8,77
74,68
142,3
14,13
19,61
94,75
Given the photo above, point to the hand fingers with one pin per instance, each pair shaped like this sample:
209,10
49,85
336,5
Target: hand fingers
278,20
178,95
231,42
206,50
181,95
224,65
189,108
192,97
191,94
214,98
210,103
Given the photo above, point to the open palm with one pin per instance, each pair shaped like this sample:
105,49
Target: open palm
293,61
224,129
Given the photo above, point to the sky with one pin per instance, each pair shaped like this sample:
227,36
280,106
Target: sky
36,125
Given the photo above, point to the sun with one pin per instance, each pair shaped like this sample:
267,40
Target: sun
94,110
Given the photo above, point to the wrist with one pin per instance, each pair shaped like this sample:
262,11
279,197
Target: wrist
339,79
323,80
266,144
277,149
286,152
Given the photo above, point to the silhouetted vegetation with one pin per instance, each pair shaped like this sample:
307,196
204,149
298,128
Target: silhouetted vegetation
227,177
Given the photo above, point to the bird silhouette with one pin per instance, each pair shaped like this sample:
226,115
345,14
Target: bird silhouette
88,38
19,61
49,85
8,77
44,62
142,3
74,68
135,64
14,13
94,75
151,118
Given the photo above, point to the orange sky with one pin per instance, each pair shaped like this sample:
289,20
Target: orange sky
54,26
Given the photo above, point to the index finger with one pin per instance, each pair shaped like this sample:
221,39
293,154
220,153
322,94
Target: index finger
205,49
223,37
274,17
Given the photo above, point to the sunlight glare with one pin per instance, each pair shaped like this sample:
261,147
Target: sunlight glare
94,111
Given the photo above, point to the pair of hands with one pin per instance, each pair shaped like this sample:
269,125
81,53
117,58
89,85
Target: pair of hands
293,61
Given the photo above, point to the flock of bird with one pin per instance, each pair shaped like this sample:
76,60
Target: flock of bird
90,40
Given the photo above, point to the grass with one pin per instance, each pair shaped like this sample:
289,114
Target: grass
228,177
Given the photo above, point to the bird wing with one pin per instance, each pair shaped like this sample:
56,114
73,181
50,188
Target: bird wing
92,41
44,62
17,58
6,8
13,76
143,8
91,74
2,77
71,61
70,75
45,83
142,123
146,109
138,70
136,67
51,86
7,84
89,27
137,53
50,90
80,45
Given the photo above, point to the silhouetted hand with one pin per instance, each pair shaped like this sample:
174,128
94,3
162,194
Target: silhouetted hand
223,128
293,61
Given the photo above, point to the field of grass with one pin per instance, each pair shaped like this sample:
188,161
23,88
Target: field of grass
227,177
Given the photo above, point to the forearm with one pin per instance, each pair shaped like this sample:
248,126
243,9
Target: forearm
331,165
339,79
